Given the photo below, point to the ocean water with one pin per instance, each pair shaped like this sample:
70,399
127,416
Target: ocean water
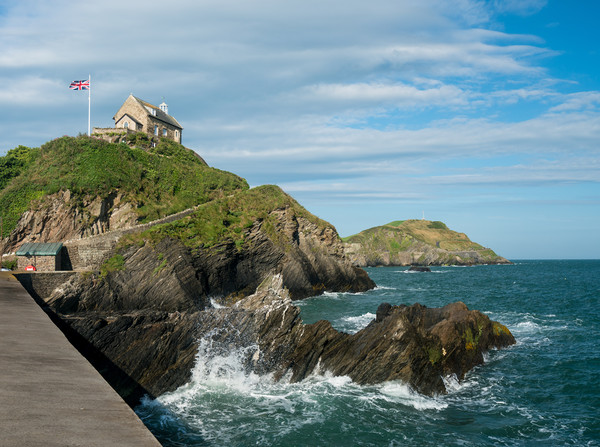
545,390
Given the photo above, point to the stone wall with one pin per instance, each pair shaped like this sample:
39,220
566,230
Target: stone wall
89,253
111,134
40,285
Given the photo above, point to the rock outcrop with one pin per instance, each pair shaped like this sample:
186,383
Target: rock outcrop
152,351
413,344
136,319
58,217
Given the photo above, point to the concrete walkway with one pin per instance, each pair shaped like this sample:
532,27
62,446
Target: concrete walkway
49,394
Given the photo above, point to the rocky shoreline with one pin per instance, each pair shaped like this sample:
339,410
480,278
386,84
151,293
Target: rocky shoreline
413,344
152,351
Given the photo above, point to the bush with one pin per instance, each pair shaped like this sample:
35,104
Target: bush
10,264
437,225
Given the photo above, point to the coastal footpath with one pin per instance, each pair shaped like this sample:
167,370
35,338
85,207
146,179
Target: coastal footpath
51,395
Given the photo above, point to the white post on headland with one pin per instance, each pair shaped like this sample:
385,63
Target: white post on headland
89,103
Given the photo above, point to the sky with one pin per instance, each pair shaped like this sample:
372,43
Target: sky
482,114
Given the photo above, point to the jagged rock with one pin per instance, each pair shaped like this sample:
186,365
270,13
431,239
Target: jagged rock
139,353
167,275
146,351
413,344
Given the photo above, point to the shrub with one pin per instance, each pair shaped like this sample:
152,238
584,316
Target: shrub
437,225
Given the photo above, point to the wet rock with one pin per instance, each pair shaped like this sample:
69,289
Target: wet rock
419,268
413,344
144,351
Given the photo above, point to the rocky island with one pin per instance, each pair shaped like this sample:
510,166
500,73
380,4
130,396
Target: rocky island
189,252
416,243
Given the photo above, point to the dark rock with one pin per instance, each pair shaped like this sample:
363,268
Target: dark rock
142,351
137,321
413,344
383,311
419,268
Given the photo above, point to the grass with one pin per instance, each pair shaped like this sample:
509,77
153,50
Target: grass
401,234
10,264
158,181
116,263
228,220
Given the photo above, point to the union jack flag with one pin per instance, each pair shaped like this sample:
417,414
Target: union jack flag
80,85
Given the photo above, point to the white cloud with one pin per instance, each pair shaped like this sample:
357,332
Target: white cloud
520,7
390,101
579,101
29,90
395,95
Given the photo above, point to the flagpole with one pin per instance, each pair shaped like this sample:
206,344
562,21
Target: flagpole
89,103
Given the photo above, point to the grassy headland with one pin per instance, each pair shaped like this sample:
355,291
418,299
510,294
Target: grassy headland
406,242
159,181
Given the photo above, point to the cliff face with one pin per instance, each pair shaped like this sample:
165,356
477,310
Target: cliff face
155,269
58,217
416,242
138,318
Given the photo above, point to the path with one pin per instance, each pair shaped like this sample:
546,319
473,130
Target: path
49,394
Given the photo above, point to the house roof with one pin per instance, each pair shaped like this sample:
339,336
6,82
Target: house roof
160,115
39,249
130,117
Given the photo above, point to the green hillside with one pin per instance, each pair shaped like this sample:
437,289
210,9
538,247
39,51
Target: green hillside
159,181
405,242
229,218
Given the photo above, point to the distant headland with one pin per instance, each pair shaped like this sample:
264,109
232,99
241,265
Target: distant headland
416,242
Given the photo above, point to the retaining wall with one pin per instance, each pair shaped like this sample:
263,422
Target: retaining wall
89,253
40,285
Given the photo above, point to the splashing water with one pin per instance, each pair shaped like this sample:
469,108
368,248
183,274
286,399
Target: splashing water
542,391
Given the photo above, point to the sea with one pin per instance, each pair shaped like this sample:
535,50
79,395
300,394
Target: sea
543,391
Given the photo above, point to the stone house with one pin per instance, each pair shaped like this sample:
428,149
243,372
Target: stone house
45,257
137,115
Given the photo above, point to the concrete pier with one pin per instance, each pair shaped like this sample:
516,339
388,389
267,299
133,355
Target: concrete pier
49,394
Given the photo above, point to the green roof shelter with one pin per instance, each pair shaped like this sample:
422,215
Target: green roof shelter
44,256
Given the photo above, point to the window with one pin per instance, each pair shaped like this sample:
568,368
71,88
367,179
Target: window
155,129
164,132
126,124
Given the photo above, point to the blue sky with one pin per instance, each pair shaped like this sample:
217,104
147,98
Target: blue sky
481,114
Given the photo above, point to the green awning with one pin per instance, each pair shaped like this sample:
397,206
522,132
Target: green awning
39,249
